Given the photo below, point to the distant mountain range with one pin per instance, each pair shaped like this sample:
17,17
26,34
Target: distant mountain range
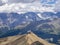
16,19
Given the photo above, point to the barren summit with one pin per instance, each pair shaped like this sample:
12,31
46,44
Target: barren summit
26,39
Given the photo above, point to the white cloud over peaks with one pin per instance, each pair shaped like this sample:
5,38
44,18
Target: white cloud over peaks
25,7
22,6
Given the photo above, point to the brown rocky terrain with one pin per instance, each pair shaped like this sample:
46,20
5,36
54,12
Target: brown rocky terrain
26,39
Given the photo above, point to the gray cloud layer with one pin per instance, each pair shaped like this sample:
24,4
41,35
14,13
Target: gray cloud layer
1,3
16,1
24,6
22,1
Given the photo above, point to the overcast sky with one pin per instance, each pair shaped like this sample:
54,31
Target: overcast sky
32,5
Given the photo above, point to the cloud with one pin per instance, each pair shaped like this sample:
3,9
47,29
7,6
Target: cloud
4,1
1,3
57,6
19,1
22,1
23,7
